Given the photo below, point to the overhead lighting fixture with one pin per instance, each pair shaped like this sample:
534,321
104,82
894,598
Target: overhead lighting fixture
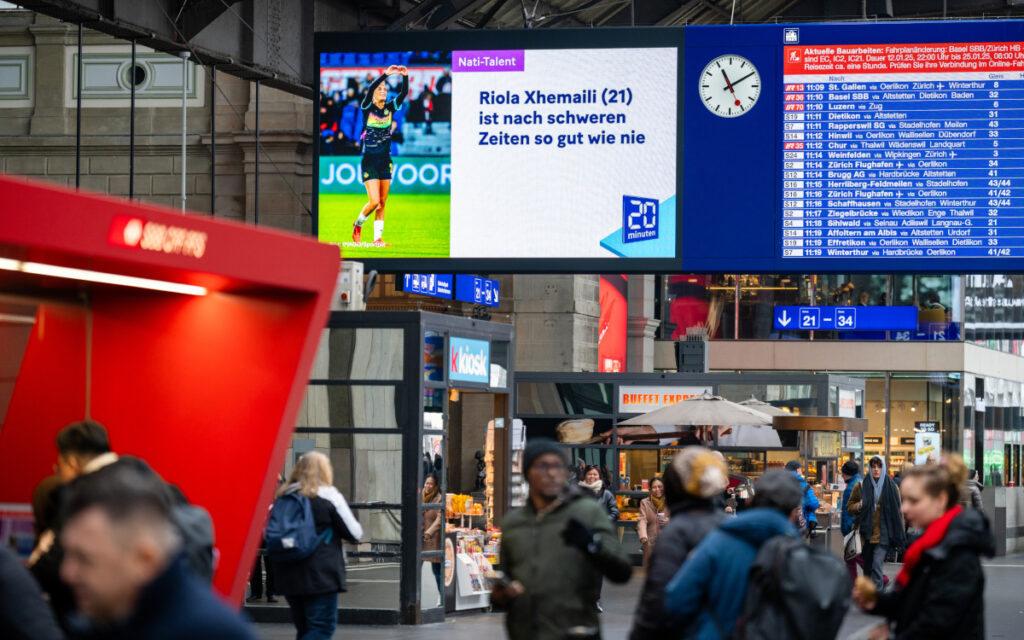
10,318
86,275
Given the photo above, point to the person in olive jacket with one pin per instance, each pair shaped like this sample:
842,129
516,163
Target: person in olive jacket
554,549
939,592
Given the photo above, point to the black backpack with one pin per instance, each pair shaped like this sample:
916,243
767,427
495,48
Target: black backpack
795,591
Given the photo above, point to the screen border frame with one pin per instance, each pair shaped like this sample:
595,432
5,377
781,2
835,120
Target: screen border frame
605,38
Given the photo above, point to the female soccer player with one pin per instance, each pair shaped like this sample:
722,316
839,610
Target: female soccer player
376,165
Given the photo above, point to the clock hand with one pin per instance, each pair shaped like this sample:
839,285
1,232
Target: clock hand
729,86
744,78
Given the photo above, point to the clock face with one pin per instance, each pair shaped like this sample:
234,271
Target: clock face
730,86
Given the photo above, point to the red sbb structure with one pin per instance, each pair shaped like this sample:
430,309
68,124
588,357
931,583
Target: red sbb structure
203,380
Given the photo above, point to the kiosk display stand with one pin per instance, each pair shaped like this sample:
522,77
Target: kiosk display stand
186,336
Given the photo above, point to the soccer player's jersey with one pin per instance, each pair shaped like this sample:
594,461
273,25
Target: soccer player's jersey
378,120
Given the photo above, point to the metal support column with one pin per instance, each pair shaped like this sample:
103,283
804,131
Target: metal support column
184,124
256,153
888,417
213,139
131,133
78,113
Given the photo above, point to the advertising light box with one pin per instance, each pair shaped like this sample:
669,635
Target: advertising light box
893,147
540,150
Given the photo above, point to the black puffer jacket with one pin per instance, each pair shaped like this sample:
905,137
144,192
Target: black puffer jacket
945,596
691,520
324,571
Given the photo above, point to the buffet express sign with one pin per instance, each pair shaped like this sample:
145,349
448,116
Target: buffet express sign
641,399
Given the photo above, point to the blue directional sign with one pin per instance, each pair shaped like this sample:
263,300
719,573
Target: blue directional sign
477,290
796,318
437,285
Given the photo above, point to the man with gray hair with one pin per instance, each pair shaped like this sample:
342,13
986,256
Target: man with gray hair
706,594
122,560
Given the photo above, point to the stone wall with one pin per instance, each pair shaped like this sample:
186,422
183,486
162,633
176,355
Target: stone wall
37,132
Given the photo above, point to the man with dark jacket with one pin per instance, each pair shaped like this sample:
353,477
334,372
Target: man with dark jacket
554,549
694,514
876,504
123,563
706,596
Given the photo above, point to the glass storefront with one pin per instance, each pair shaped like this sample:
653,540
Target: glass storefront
584,412
740,307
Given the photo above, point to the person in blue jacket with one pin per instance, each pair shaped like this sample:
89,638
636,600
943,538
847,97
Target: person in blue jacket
705,597
810,501
851,476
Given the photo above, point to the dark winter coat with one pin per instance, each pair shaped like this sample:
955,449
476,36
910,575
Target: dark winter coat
944,599
691,521
607,502
324,571
560,581
175,606
24,614
706,595
886,528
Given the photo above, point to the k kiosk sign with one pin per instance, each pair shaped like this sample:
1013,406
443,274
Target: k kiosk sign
469,360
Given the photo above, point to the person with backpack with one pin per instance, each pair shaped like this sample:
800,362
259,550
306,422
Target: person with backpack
810,500
876,504
753,577
939,592
693,481
307,523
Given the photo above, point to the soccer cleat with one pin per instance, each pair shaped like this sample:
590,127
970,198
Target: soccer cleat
357,232
381,243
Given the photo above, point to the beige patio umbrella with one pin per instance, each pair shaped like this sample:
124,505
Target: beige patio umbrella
702,410
754,435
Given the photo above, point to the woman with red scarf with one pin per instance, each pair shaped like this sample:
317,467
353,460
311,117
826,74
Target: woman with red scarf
939,593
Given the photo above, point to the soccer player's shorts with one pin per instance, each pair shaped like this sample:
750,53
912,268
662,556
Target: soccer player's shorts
377,167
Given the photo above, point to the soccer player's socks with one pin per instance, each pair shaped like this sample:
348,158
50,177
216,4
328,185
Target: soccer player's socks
378,230
361,219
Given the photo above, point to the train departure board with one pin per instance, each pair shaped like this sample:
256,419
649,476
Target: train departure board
896,147
903,150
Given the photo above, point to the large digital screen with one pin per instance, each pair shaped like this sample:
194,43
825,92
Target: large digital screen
518,151
866,147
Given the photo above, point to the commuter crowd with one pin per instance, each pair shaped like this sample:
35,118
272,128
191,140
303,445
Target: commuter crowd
715,573
121,553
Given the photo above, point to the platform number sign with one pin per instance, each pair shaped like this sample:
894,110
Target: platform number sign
639,219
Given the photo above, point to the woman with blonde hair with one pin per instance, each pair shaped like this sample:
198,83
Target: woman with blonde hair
939,592
311,585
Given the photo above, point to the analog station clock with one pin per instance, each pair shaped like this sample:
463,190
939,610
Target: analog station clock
730,86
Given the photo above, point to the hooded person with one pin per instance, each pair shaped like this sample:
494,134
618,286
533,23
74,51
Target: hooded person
693,481
875,503
705,597
939,592
554,550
